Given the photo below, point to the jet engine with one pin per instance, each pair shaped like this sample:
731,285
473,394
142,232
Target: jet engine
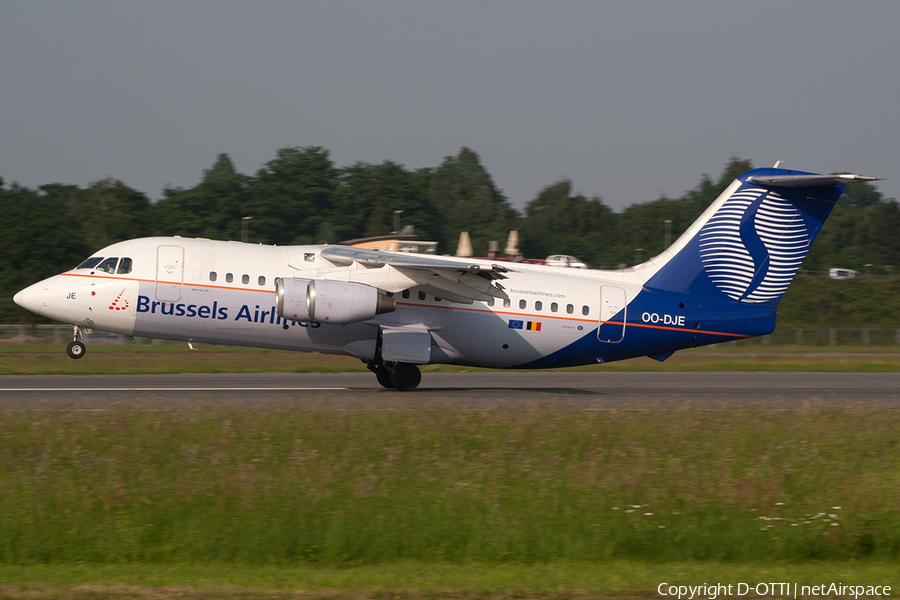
326,301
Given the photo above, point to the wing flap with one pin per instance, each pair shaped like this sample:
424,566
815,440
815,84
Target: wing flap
458,280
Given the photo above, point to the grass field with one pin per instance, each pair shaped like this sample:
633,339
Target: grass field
410,580
231,495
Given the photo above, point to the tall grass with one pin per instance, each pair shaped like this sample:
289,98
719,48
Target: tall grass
280,484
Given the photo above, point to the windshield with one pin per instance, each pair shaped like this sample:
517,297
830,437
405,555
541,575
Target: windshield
108,265
124,266
90,263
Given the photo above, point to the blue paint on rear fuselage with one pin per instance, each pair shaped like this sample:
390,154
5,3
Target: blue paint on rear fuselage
706,321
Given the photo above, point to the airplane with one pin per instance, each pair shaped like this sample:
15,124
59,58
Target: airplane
721,280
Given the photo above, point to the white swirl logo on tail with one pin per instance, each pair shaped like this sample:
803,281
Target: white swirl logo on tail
777,238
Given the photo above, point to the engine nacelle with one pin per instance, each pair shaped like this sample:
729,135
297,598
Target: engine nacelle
327,301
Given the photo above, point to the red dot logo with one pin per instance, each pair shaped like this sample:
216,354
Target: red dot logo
115,303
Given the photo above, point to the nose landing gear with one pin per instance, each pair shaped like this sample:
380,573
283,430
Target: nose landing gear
76,347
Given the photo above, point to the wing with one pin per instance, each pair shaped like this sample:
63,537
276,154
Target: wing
455,279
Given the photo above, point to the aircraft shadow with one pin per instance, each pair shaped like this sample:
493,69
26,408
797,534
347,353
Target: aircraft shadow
483,390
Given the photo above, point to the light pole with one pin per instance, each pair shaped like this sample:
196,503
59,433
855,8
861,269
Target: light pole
244,225
397,214
667,240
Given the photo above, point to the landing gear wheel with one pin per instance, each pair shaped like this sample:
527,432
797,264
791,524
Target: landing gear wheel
384,377
76,349
406,377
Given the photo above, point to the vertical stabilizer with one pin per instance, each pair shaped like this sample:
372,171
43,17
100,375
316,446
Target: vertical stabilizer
749,244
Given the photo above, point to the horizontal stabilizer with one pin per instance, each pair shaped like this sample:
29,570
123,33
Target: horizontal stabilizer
793,181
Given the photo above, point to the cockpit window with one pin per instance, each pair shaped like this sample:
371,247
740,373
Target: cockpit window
108,265
90,263
124,266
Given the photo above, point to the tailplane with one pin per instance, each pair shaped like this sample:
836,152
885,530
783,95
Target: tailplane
748,245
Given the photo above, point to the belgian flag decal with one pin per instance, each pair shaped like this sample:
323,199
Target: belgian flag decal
533,326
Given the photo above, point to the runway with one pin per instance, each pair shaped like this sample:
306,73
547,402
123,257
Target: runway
588,390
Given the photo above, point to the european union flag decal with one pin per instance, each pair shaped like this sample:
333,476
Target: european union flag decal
516,324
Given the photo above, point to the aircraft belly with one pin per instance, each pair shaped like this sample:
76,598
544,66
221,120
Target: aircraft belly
483,338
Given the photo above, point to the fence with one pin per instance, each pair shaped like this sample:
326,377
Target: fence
865,336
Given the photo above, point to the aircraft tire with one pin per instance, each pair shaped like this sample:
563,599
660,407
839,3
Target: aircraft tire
406,377
384,377
76,350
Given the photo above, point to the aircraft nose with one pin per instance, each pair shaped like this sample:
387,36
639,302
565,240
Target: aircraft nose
31,298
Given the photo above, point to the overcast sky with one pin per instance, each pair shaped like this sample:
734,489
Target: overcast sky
630,100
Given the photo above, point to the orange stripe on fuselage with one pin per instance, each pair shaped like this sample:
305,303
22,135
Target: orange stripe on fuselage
460,308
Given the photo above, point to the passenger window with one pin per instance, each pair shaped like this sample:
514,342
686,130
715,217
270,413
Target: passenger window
389,294
245,279
124,266
436,299
406,293
421,295
490,302
262,281
506,303
90,263
570,309
585,310
522,304
229,277
554,307
538,305
108,265
213,276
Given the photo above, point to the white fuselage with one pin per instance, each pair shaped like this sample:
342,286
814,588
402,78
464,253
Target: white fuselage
224,293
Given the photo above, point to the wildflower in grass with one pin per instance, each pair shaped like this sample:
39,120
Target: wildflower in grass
647,514
836,507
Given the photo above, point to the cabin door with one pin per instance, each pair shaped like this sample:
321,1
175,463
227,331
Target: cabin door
169,273
612,303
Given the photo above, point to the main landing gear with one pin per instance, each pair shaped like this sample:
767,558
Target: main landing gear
76,347
405,377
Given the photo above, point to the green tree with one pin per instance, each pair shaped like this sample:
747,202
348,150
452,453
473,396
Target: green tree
108,211
465,199
557,223
292,196
213,209
862,230
643,225
40,239
368,195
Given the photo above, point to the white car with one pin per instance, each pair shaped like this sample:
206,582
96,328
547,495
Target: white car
564,260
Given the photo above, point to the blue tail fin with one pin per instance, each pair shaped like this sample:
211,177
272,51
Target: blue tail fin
750,242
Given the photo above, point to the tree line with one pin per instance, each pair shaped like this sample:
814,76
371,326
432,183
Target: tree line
302,197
